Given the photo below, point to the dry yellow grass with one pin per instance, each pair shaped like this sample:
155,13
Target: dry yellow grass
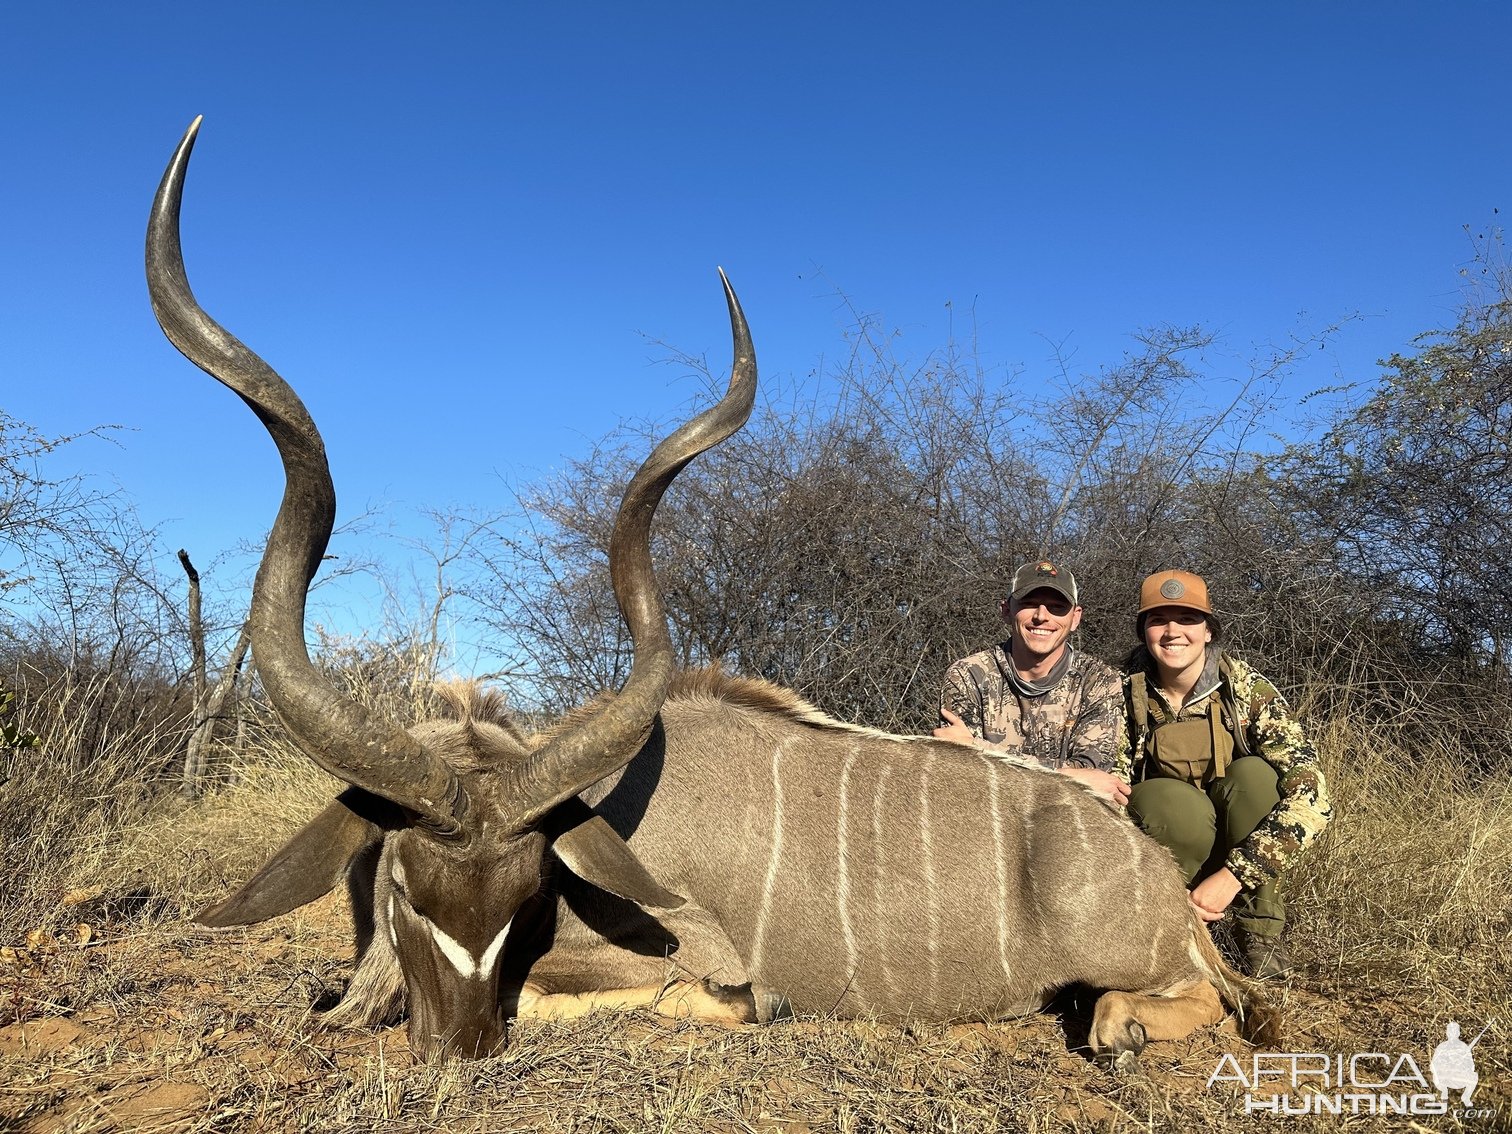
143,1022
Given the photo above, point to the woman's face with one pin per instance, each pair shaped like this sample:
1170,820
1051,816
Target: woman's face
1176,637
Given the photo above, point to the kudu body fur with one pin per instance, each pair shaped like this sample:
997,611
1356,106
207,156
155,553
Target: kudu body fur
700,844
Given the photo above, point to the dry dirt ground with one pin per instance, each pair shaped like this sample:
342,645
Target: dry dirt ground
134,1020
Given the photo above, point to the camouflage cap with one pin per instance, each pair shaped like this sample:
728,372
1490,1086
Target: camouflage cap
1040,574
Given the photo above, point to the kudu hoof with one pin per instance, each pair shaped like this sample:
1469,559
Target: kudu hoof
772,1006
738,999
1124,1047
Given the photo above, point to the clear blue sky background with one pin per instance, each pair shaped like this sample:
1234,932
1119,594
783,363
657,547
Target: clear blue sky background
456,227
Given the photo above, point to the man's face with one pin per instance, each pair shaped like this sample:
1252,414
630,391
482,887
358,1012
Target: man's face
1176,637
1041,621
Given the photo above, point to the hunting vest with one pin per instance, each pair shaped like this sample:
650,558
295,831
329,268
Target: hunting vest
1197,749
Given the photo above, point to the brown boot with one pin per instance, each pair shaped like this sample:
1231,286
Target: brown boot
1264,958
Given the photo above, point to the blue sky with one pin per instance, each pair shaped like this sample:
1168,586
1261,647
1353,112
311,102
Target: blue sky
459,229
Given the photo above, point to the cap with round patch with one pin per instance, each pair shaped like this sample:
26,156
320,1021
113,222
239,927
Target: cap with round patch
1174,588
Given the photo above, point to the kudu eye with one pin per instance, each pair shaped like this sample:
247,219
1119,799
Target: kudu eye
402,894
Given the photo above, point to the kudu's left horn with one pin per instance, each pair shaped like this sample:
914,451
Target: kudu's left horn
606,741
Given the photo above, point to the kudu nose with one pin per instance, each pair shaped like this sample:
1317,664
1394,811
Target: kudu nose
477,1042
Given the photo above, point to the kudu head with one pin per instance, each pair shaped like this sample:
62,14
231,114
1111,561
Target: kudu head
465,814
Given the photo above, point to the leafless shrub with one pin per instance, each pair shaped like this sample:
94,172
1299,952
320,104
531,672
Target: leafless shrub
856,537
105,749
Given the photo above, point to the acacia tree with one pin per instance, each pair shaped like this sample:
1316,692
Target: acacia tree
91,637
33,507
1412,487
1404,499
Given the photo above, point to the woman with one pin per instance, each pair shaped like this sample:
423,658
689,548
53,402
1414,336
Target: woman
1222,774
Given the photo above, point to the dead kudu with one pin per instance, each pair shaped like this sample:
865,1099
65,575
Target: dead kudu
695,843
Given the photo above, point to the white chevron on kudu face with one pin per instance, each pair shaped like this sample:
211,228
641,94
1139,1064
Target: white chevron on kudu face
468,966
457,955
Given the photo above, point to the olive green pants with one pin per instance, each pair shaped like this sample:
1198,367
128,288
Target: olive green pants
1201,827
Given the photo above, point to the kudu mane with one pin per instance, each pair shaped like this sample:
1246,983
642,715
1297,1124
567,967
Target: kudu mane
709,687
710,684
758,696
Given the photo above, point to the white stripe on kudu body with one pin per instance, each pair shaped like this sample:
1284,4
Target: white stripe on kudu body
1136,854
769,886
842,890
931,888
880,895
1001,868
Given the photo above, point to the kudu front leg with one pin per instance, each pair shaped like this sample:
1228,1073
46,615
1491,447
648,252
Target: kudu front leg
703,1000
1123,1022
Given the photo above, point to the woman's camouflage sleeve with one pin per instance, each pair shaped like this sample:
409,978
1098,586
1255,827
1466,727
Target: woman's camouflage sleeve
1123,750
1304,810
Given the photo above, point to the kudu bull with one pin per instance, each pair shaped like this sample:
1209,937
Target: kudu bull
698,844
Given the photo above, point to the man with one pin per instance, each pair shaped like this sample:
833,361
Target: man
1034,695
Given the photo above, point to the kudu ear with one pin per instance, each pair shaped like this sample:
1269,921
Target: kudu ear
593,850
310,864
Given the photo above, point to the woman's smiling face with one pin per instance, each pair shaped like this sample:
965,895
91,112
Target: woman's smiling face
1176,637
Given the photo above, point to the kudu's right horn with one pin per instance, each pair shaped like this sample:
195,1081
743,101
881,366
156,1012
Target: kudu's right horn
335,732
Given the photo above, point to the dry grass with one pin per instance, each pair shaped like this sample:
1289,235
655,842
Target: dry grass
1412,888
64,805
142,1022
